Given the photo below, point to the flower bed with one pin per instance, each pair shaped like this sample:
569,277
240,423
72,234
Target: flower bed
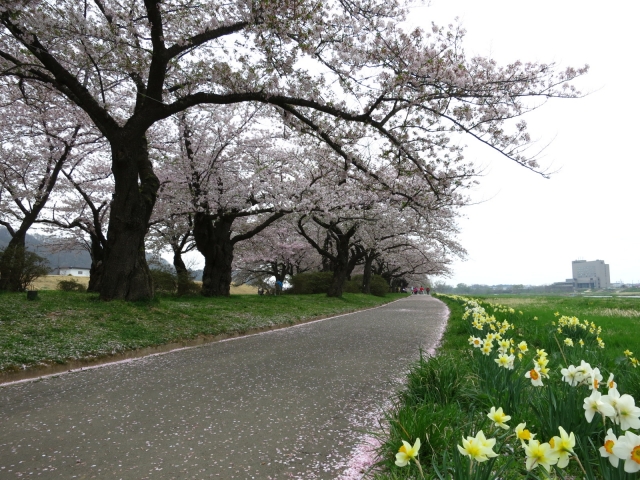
523,399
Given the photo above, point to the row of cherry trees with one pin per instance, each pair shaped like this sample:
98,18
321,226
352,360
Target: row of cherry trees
210,123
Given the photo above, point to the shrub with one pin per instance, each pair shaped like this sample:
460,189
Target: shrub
379,286
164,281
311,282
71,286
24,266
354,285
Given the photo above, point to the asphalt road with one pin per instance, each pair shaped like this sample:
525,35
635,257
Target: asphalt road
289,403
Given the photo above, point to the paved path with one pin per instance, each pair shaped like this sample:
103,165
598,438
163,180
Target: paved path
290,403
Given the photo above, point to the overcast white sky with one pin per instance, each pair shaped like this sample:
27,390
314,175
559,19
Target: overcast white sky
527,229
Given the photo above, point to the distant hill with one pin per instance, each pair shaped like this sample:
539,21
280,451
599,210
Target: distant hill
81,258
37,243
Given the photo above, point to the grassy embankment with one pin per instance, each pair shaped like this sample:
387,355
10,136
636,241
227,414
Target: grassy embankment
50,282
60,327
448,396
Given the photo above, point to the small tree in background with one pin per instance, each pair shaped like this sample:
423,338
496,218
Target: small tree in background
25,266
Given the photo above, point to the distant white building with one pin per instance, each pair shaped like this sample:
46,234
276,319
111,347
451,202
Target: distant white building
593,274
73,271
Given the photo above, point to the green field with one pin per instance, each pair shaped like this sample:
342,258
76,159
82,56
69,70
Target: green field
66,326
619,317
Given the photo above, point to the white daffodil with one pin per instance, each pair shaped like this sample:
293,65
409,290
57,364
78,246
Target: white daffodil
594,403
570,375
535,376
627,448
628,413
594,379
606,451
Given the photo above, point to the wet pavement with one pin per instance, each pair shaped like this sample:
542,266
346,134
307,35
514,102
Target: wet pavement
290,403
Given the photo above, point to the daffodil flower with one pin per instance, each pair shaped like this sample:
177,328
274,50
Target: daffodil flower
478,448
563,446
595,379
536,378
627,448
628,413
606,451
540,454
499,418
407,452
523,434
594,403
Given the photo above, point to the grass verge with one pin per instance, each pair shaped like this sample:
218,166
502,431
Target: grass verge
60,327
447,397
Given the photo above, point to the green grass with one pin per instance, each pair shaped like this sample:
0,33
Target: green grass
448,396
62,326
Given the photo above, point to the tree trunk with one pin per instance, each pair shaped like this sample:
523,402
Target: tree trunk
340,267
97,265
213,241
12,263
184,279
126,273
366,277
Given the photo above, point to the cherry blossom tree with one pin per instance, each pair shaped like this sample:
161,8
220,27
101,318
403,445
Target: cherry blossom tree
237,180
36,145
80,208
278,251
171,227
344,71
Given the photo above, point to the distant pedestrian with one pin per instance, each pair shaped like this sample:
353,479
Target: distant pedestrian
421,290
428,290
261,291
279,286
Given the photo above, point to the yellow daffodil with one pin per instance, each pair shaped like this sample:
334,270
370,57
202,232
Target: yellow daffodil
628,353
568,342
499,417
540,454
406,453
523,434
563,446
478,448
